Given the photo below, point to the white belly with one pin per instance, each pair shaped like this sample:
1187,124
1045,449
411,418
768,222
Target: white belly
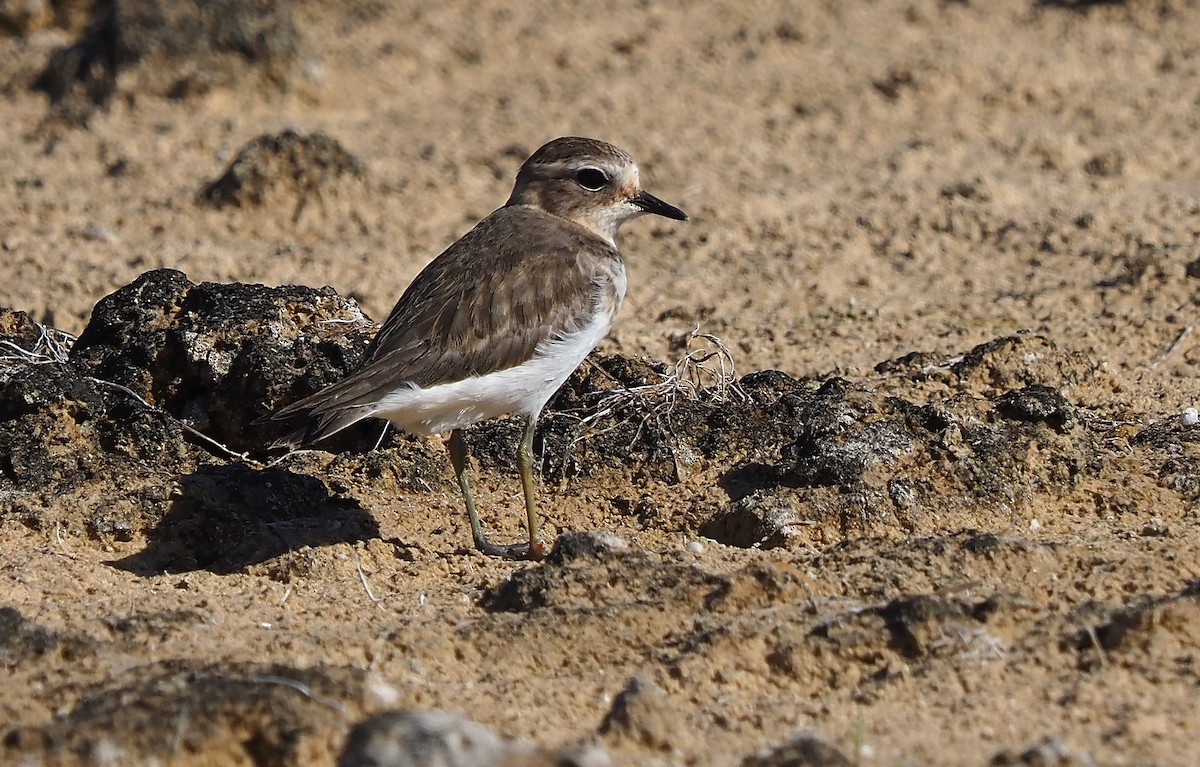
523,389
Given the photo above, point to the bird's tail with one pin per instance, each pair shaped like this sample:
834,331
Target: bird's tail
307,422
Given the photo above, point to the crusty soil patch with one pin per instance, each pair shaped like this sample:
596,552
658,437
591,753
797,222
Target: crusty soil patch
941,510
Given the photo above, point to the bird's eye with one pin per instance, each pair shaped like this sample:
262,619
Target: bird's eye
592,179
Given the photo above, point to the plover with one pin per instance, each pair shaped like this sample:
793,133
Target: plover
496,323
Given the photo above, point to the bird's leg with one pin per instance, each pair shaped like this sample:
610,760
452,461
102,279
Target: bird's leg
458,460
537,549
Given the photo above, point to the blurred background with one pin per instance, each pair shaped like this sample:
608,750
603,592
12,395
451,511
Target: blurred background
865,178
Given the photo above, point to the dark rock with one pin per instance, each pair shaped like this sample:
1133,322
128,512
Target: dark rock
845,431
643,714
1010,362
911,629
92,436
22,640
864,462
1049,752
912,364
1170,436
765,519
848,461
638,424
573,545
803,750
774,387
176,49
1193,268
1105,165
992,367
133,322
233,713
286,169
1038,404
1097,631
616,576
64,433
917,623
221,355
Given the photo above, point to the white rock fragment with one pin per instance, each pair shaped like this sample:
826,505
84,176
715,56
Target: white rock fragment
382,693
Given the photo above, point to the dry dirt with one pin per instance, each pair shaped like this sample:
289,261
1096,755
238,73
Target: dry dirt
982,553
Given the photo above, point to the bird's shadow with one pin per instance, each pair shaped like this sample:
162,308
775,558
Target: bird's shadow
226,517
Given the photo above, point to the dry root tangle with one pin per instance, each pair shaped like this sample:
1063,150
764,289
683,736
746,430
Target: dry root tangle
705,373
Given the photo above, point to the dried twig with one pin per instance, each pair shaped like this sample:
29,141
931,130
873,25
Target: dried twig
362,577
52,346
229,452
346,321
299,687
1091,632
1174,347
706,374
693,377
387,425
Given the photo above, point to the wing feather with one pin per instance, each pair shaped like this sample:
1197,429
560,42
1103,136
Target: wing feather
485,304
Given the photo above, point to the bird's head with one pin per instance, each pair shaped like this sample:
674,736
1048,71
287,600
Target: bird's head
589,182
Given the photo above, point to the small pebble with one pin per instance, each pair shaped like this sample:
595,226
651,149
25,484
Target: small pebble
381,693
1190,416
695,547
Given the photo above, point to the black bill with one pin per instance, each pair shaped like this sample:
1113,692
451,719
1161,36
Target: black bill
652,204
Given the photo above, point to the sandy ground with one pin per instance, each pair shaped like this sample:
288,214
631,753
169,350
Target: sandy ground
865,180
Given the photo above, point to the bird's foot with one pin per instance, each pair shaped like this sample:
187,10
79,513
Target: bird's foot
534,550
